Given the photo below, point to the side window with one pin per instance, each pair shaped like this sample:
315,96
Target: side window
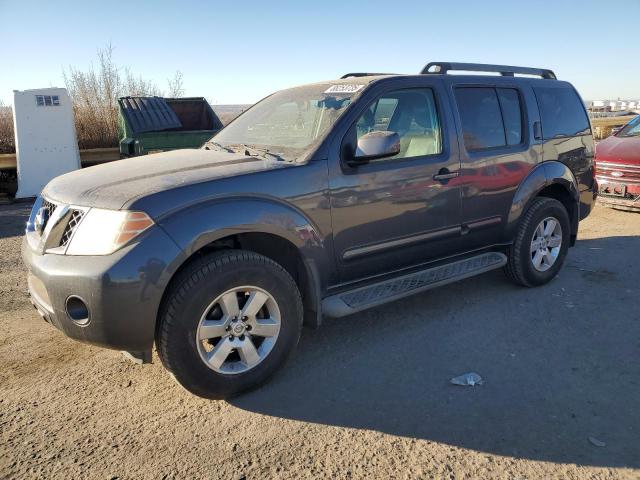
511,114
383,113
412,114
561,112
491,117
482,125
377,116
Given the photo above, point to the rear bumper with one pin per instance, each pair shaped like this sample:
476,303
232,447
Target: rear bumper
122,291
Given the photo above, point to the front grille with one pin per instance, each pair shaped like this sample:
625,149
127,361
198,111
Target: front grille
50,208
74,220
625,173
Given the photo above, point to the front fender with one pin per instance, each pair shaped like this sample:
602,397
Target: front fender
542,176
198,225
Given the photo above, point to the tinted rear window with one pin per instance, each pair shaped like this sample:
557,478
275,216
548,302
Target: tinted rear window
491,117
482,125
512,115
561,112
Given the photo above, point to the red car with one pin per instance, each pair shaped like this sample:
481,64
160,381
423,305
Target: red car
618,168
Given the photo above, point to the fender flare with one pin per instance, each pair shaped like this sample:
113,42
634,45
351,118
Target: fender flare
540,177
201,224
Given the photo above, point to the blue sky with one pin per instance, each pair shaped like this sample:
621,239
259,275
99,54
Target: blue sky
240,51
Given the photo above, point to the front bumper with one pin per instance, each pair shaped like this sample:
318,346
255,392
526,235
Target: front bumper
631,204
629,201
122,291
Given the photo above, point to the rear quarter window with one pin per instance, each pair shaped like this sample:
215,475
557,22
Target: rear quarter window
561,112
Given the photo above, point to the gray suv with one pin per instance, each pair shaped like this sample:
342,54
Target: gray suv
320,200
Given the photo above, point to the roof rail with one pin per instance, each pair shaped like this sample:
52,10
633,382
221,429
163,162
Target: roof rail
504,70
364,74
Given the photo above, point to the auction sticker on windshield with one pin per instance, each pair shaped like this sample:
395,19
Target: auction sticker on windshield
344,88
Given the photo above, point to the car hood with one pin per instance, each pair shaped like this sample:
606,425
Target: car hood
619,150
114,185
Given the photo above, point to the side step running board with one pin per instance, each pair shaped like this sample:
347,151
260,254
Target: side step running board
358,299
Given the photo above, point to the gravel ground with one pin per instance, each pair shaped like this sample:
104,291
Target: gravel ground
364,397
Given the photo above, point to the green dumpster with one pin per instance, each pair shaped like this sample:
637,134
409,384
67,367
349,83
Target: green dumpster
154,124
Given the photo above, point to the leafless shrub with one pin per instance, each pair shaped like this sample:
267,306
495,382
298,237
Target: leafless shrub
176,88
138,86
7,139
95,94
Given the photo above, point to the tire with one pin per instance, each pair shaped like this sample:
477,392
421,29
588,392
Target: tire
187,311
520,266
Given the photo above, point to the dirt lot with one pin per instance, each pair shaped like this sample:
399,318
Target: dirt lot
365,397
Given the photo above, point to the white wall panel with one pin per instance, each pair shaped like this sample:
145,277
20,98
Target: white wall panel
46,143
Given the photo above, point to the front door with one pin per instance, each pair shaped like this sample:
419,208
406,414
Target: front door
403,210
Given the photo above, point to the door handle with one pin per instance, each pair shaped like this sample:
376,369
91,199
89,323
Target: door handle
444,174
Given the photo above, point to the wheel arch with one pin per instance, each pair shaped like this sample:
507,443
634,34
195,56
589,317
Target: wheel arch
279,232
550,179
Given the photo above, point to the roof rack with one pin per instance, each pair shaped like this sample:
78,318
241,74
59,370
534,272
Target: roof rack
504,70
364,74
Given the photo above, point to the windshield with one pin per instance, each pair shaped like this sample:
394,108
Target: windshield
288,124
631,129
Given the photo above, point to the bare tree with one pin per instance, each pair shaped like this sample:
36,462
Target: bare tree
139,87
95,92
176,88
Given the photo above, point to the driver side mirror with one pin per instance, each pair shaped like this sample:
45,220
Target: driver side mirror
375,145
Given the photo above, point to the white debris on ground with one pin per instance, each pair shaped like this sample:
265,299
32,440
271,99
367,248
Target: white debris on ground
598,443
468,380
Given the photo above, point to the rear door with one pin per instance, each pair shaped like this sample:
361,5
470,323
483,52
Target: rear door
396,212
498,149
566,131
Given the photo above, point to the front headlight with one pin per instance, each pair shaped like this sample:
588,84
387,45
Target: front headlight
102,232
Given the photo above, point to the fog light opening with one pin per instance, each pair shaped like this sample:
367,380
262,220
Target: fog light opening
77,310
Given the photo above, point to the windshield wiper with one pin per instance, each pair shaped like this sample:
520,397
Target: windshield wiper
261,152
221,147
275,156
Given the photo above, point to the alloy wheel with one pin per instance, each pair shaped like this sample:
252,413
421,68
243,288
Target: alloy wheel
546,244
238,330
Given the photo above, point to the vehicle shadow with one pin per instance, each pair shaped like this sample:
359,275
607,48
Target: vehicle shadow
13,217
560,365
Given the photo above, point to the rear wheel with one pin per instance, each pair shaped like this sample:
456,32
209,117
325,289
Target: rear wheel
229,321
541,243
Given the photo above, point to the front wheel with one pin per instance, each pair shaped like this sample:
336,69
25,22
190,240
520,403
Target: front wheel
229,321
541,243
